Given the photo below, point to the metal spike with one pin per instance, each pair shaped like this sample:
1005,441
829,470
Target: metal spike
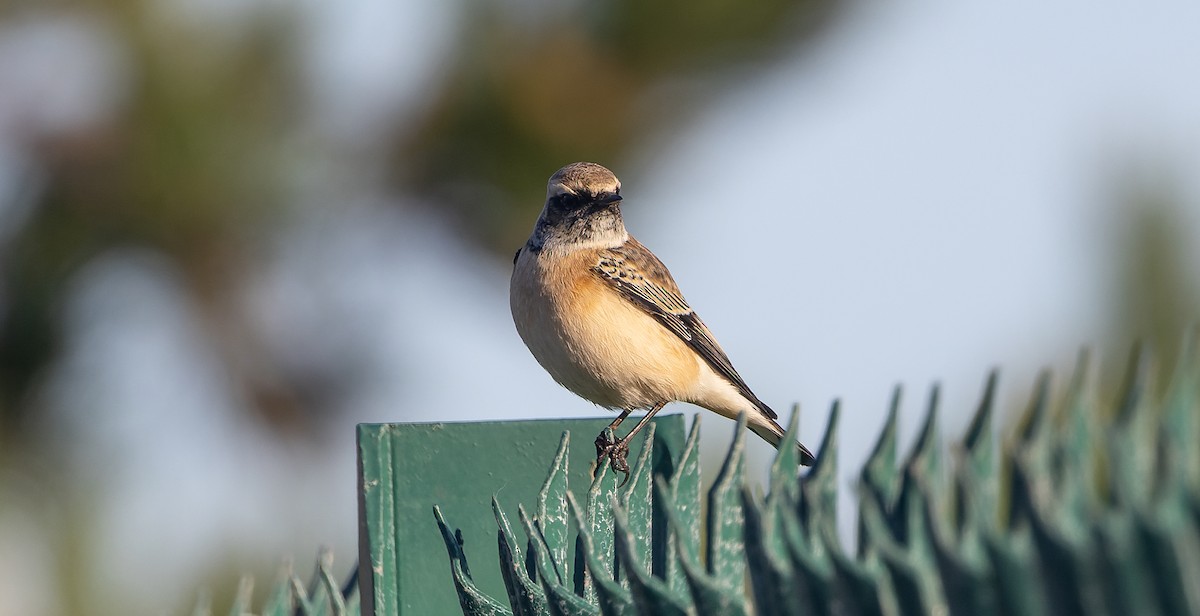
525,595
552,506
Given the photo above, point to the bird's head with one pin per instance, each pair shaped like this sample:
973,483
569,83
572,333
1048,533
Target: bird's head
582,208
585,186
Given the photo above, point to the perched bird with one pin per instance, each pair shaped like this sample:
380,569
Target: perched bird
604,317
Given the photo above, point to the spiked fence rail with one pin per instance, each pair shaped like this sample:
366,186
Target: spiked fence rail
1088,511
322,596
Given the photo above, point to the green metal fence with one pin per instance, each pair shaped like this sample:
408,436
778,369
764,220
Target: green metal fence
289,596
1083,510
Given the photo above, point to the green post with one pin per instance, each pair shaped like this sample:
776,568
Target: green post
407,469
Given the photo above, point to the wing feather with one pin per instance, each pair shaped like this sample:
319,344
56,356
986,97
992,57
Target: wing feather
639,276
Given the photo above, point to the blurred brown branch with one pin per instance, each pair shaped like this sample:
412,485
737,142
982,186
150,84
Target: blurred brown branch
1157,297
521,99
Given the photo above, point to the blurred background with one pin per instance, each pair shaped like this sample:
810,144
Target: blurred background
232,229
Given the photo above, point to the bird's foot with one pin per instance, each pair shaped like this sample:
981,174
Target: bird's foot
615,450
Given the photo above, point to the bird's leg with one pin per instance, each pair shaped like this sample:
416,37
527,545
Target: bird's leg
617,451
605,441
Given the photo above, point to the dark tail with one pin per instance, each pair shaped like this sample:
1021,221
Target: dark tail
774,433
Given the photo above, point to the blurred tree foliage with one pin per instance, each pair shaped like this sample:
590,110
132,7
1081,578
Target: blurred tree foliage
191,166
187,167
529,93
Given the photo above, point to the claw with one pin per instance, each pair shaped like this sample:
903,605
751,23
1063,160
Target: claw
616,451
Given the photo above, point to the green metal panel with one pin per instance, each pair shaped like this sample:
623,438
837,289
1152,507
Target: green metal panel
406,469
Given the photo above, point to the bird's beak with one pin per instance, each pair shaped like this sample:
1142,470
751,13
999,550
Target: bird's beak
607,199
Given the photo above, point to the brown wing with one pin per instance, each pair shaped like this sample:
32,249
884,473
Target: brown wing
639,276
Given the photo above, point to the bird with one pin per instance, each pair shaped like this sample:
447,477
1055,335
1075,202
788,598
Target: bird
606,319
